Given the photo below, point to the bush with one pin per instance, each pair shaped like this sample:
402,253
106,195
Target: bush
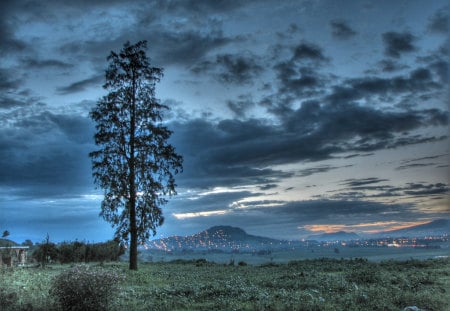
84,288
46,253
7,299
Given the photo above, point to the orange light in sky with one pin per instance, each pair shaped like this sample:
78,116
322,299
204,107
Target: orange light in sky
372,227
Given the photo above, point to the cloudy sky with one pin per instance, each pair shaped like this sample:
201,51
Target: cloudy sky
293,117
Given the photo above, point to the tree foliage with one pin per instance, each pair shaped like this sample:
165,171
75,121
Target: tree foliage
72,252
46,252
135,164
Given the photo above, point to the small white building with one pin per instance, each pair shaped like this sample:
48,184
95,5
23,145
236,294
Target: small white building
11,255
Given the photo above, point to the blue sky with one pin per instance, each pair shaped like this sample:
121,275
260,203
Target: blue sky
293,117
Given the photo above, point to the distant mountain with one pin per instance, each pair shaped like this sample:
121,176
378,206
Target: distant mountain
434,228
216,238
227,238
334,236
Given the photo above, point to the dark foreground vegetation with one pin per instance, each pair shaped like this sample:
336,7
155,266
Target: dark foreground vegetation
321,284
73,252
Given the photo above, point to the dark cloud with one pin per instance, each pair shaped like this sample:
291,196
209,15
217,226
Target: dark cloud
439,22
172,42
315,170
213,153
76,128
362,181
419,80
425,158
294,82
234,152
9,43
397,43
81,85
290,32
370,188
8,80
442,69
201,7
268,186
183,39
7,102
185,47
308,52
421,189
45,63
204,146
437,64
341,30
231,68
12,92
240,106
257,216
45,154
298,77
298,81
310,211
354,155
414,165
330,128
46,10
388,65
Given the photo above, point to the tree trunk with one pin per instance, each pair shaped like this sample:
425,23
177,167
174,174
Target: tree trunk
133,235
132,181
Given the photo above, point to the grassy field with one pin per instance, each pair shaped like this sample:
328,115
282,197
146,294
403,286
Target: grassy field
319,284
375,254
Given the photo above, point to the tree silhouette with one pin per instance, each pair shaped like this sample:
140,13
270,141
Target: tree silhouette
135,165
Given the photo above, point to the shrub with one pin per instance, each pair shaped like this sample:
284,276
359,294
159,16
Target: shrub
45,253
7,299
201,262
82,252
84,288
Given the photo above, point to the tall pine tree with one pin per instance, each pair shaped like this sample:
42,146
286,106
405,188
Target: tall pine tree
135,164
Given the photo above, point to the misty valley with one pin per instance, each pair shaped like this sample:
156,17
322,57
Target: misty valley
222,244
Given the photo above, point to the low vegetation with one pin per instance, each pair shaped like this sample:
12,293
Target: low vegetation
320,284
85,288
76,252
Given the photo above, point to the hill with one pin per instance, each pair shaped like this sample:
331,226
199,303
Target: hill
227,238
437,227
224,238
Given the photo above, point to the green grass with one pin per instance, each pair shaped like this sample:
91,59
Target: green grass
320,284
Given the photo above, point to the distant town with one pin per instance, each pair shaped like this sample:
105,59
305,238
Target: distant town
236,240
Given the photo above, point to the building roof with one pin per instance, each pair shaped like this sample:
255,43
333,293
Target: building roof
14,247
